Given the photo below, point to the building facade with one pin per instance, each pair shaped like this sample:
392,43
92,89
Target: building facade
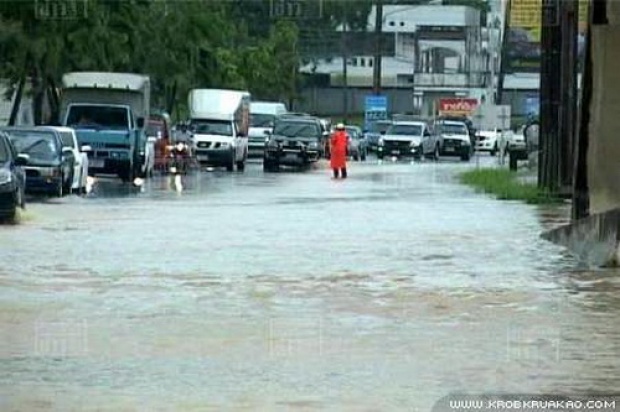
439,51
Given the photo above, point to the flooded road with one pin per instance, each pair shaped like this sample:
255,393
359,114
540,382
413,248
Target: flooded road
291,291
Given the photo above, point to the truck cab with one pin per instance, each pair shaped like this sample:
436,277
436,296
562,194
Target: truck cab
108,112
112,132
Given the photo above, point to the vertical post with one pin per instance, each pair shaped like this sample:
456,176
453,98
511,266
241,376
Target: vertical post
581,206
568,92
548,177
416,102
345,80
377,59
503,55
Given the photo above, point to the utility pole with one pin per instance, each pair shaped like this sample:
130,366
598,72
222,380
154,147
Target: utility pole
345,80
548,169
376,81
568,92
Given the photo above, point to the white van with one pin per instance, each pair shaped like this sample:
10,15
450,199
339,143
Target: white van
262,118
219,123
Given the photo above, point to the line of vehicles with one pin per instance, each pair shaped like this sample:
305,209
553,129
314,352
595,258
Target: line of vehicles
106,127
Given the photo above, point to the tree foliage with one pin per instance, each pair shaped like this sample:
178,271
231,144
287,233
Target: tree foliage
179,44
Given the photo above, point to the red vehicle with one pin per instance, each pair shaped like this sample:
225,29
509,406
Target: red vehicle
158,128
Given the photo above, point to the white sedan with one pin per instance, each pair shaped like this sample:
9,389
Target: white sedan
80,154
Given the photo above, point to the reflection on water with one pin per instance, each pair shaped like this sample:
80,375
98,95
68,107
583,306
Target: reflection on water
286,291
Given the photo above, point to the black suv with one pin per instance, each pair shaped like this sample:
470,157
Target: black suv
12,178
295,141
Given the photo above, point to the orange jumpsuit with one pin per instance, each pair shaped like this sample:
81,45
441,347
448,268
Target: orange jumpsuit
338,152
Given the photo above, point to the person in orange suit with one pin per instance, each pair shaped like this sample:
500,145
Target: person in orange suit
338,147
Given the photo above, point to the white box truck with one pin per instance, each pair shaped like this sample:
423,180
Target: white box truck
219,123
108,112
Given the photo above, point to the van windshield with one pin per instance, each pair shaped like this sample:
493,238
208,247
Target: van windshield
85,116
261,120
214,127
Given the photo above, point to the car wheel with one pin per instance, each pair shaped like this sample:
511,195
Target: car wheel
465,157
11,215
270,166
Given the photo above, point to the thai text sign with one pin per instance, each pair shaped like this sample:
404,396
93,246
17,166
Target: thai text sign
457,106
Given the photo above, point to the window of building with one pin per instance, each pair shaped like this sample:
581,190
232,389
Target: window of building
363,62
392,24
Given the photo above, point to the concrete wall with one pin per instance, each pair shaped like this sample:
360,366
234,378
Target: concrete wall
329,101
604,148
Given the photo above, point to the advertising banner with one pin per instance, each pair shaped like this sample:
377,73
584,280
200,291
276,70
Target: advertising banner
523,49
457,106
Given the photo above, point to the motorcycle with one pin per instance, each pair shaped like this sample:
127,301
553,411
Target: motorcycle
179,163
179,158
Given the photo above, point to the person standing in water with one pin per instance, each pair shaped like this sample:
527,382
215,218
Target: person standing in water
338,148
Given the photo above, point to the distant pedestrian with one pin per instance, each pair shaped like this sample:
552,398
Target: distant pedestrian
338,151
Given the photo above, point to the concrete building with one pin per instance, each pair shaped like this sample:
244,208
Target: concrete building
438,52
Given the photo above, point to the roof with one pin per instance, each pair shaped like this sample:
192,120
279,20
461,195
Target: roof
453,122
127,81
208,102
409,122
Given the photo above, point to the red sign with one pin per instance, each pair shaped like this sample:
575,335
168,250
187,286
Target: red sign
457,106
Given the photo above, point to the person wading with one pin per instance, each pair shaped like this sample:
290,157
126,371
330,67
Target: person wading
338,149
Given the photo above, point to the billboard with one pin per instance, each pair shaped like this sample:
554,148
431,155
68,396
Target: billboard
523,48
457,106
375,108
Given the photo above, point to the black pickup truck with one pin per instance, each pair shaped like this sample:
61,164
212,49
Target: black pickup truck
295,141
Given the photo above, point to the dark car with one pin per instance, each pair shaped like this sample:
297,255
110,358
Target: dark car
374,133
50,165
295,141
12,178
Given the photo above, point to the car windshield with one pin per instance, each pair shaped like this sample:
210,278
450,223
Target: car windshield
213,127
67,139
380,127
40,146
261,120
98,117
297,129
353,132
453,129
4,155
405,130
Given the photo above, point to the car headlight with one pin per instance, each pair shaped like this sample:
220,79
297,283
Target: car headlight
5,177
313,145
224,145
380,142
272,143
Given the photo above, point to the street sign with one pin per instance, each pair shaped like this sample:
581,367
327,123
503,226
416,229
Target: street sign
376,108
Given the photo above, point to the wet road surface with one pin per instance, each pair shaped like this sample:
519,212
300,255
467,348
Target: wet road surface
291,291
